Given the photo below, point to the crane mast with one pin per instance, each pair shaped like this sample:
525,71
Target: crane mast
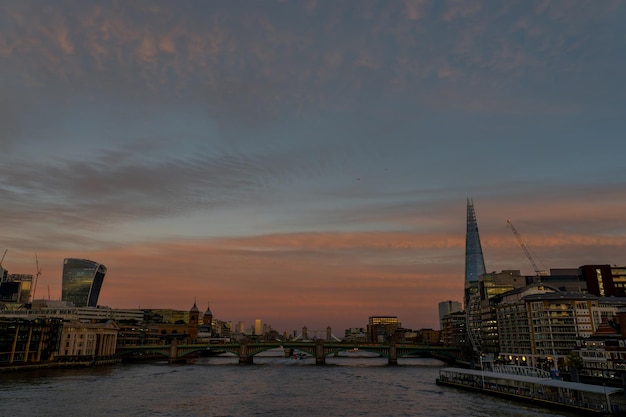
525,249
36,276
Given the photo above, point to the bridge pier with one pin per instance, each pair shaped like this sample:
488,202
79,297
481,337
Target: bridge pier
173,355
320,359
393,355
243,353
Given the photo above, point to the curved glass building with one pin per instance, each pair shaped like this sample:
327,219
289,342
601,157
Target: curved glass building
82,281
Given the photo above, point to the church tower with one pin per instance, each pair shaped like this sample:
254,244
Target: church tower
192,326
207,319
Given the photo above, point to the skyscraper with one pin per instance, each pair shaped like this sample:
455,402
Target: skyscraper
82,281
474,268
474,261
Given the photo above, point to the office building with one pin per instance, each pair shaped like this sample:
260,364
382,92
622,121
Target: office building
604,280
446,308
26,341
540,330
453,332
490,287
15,289
82,281
381,328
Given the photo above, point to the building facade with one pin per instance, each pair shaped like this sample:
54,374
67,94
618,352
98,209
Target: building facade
604,280
454,332
541,330
381,328
490,287
88,342
15,288
448,307
29,341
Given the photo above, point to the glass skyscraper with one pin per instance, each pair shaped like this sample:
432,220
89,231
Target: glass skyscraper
474,268
474,261
82,281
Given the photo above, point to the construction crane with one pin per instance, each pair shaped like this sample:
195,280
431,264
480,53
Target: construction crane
525,249
36,276
2,260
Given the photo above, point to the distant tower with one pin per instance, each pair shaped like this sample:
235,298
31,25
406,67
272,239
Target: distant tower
207,319
82,281
192,327
474,268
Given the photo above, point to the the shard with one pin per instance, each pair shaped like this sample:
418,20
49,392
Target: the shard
474,268
474,261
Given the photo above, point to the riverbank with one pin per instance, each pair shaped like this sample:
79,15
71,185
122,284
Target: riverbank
58,365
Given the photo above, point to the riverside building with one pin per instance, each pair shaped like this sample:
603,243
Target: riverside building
541,330
448,307
28,341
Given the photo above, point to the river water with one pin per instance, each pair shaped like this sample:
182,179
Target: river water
272,386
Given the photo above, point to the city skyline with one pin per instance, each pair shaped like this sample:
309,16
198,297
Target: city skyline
308,163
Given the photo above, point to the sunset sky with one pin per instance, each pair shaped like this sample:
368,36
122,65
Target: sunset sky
308,163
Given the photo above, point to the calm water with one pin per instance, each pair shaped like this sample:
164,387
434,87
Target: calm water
273,386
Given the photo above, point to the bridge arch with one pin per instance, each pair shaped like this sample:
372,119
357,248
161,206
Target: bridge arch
246,350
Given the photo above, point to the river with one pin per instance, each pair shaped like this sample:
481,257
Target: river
272,386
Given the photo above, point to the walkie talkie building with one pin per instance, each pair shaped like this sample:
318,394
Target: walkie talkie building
82,281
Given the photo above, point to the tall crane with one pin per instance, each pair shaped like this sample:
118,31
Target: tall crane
525,249
36,276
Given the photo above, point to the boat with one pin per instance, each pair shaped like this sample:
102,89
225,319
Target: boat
299,356
542,390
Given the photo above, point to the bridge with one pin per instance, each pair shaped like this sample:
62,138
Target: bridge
246,350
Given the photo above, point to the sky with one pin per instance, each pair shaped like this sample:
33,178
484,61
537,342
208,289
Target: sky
308,163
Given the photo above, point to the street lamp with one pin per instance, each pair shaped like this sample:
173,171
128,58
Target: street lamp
482,369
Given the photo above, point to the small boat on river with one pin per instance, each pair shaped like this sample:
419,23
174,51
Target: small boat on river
299,356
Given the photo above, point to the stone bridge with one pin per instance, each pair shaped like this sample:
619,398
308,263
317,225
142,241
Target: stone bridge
246,350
